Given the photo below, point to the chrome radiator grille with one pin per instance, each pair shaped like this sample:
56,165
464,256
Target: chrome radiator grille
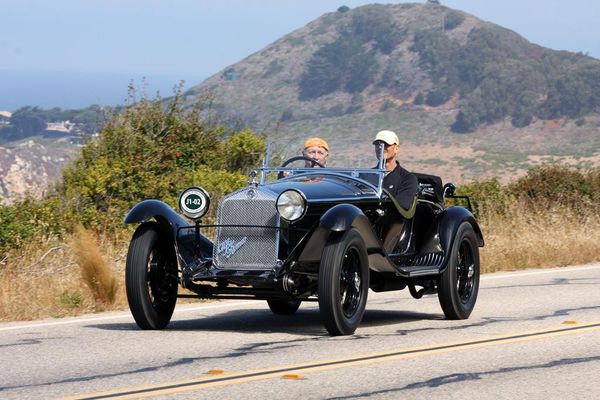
243,247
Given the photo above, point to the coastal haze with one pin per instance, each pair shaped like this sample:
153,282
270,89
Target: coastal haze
117,41
80,89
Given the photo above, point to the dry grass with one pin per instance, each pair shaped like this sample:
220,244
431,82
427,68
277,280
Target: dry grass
95,272
538,237
44,280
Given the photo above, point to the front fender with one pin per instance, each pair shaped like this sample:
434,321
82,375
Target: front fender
161,212
190,248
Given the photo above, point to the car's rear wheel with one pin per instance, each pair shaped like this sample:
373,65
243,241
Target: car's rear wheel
459,284
151,277
284,307
343,283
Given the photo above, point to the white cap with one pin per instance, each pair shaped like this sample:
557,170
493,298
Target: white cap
388,137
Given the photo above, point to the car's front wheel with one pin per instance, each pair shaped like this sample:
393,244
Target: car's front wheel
459,284
151,277
343,283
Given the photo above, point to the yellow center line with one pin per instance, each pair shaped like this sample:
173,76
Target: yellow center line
324,365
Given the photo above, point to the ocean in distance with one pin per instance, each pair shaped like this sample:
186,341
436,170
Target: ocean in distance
73,90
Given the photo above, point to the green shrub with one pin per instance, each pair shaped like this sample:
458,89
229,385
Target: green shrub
487,196
343,64
150,150
439,95
71,300
26,219
559,185
453,19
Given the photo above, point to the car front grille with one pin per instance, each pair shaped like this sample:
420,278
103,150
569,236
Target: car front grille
253,243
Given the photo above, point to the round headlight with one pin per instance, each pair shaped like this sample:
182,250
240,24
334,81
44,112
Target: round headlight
194,202
291,205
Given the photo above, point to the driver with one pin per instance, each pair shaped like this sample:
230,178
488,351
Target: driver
398,182
317,149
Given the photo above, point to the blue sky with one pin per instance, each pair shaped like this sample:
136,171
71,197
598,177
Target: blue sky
191,40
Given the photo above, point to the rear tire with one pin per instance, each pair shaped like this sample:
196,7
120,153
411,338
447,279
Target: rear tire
151,277
284,307
459,283
343,283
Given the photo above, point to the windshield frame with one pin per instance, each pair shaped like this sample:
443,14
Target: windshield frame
379,171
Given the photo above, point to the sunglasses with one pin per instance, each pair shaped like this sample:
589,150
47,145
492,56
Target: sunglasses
385,145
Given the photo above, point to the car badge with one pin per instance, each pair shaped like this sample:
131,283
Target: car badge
251,194
228,247
391,186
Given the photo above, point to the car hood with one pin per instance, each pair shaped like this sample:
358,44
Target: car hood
323,187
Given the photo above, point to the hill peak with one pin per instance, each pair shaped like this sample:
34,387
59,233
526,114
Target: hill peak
398,65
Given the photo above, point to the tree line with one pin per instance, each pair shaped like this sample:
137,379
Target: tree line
31,121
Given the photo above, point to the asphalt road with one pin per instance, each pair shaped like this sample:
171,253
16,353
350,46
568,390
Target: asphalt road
534,334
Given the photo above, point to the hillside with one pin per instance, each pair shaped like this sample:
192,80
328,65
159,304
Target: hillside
469,98
29,167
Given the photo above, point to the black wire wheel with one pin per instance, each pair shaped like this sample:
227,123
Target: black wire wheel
151,277
284,307
459,284
343,283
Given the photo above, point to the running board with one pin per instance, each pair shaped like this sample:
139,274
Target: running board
418,265
416,271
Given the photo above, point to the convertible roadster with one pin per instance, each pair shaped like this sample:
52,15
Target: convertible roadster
296,234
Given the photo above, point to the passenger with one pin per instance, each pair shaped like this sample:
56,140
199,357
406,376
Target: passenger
398,182
317,149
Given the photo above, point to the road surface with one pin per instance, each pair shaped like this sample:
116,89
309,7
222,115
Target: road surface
534,334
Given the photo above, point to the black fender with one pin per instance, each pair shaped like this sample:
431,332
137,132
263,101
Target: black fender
166,217
336,220
449,221
171,224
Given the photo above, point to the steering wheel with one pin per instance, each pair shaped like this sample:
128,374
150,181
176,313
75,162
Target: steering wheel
297,158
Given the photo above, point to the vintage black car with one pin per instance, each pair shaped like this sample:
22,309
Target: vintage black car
305,234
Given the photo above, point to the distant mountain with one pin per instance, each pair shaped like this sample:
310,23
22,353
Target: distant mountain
426,70
468,98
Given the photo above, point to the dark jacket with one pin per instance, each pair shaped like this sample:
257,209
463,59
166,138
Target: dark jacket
402,185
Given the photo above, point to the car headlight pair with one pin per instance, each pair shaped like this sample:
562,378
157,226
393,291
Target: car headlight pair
291,205
194,203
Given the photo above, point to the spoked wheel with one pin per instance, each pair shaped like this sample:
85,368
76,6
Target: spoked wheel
151,277
459,284
284,307
343,283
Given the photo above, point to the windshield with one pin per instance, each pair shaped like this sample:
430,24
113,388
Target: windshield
371,172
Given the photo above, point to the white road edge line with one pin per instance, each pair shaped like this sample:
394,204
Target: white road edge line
501,275
77,320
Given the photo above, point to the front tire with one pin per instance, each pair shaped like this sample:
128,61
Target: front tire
459,283
343,283
151,277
